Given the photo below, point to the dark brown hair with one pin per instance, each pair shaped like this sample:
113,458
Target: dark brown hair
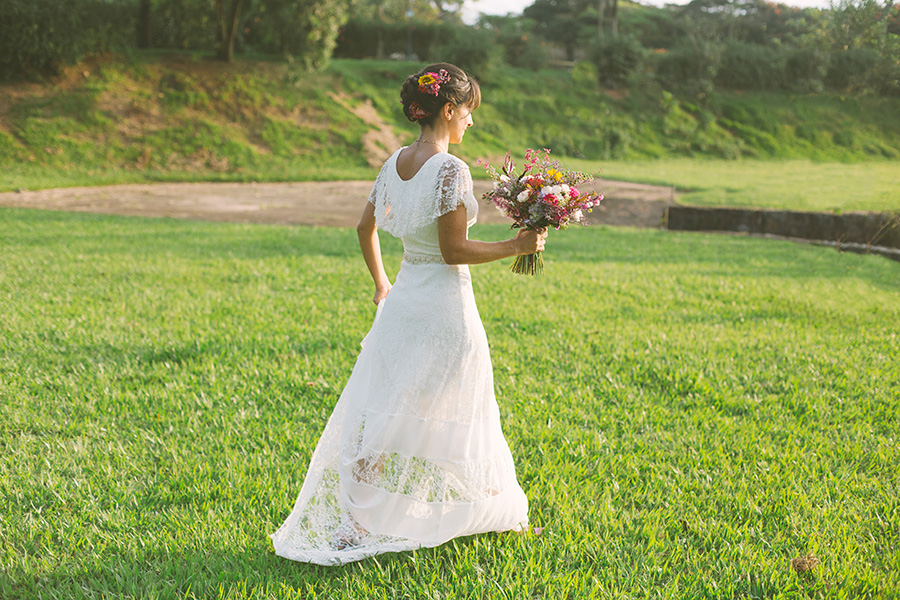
460,90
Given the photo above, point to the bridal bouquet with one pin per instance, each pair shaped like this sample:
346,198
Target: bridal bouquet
543,195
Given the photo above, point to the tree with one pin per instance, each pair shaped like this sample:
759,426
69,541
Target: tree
307,28
145,11
560,21
386,15
607,9
859,23
515,35
228,14
449,10
382,13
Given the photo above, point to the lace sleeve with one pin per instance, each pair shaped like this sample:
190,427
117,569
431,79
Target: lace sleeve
454,187
378,186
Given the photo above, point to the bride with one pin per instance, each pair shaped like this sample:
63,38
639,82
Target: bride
413,454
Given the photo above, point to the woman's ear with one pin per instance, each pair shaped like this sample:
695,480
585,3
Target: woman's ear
447,111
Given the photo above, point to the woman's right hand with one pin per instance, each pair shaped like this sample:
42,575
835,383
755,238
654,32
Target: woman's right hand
530,241
381,292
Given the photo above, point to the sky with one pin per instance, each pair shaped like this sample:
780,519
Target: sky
501,7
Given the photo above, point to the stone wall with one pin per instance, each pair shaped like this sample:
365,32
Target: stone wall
853,229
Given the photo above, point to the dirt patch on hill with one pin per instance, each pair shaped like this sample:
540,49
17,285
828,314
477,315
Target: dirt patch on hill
332,204
378,142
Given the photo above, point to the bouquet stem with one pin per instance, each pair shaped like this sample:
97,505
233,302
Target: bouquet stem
528,264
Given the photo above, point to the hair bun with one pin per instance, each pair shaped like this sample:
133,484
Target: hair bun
425,92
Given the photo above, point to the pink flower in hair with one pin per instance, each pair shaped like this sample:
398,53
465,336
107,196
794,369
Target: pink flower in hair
430,83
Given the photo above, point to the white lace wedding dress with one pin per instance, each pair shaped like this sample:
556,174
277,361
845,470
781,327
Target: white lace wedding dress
413,454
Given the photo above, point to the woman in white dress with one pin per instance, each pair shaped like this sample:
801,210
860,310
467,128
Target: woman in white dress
413,454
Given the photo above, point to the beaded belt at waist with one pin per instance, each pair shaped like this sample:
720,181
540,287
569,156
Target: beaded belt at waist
422,259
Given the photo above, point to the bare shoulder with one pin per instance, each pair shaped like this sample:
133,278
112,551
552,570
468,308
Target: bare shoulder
411,159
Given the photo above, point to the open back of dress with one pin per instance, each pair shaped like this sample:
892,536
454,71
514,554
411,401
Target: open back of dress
413,453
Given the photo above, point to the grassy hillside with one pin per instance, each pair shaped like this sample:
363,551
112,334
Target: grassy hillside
150,117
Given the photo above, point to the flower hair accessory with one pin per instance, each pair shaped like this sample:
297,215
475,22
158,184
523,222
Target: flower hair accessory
430,83
416,112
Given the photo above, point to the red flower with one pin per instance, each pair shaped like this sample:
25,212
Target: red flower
416,112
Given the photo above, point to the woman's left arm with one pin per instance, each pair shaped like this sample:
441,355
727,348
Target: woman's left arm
371,250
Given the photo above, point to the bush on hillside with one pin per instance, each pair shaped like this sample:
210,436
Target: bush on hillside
747,66
361,38
307,30
473,50
654,27
849,68
690,67
187,25
885,77
40,37
516,38
864,70
616,58
529,54
805,69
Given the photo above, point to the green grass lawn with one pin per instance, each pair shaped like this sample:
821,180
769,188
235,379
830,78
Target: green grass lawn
688,413
789,185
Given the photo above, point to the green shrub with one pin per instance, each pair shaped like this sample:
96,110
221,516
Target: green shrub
884,78
750,67
184,24
307,30
805,69
809,132
361,38
619,135
40,37
517,40
690,67
851,68
473,50
845,138
616,58
528,53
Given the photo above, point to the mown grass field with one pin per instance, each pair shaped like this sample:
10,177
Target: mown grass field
688,413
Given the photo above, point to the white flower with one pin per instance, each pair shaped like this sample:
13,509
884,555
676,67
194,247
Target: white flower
523,196
577,215
496,184
556,189
504,179
565,188
546,190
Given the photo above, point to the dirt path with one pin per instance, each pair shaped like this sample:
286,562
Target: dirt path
334,204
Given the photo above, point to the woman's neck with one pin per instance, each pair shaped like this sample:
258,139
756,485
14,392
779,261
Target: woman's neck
434,136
